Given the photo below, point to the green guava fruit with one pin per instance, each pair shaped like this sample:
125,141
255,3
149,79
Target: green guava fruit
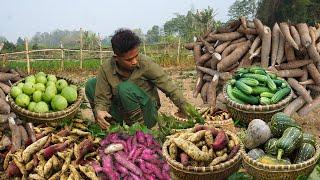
41,107
22,100
41,79
37,96
15,91
40,87
31,79
28,88
52,78
70,94
60,84
31,106
59,103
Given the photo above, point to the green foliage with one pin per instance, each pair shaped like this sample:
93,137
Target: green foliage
240,176
245,8
295,11
153,35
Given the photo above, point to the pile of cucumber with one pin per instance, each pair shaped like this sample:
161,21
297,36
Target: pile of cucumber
255,86
288,145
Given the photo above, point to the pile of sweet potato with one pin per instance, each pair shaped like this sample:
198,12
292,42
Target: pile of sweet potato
54,152
202,146
289,50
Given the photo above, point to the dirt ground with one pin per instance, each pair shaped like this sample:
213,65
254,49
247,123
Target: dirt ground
185,79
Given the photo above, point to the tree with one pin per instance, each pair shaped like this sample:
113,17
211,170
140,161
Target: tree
294,11
245,8
8,47
153,35
3,39
20,45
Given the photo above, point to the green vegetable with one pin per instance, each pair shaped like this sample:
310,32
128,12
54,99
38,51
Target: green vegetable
259,77
278,82
290,140
308,138
259,89
304,152
267,94
231,96
265,101
280,95
243,87
315,174
271,84
240,176
280,122
244,97
273,76
271,146
249,81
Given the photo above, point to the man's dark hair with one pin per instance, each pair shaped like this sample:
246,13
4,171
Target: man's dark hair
124,40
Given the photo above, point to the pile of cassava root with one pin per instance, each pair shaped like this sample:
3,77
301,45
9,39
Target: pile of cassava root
8,76
289,50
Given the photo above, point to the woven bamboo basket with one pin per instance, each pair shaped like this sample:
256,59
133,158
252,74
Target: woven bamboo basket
246,113
34,117
279,172
225,124
218,172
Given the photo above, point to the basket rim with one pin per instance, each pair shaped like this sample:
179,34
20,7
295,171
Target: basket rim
281,168
256,108
25,112
203,170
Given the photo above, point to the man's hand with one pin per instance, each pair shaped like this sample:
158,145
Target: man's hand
101,115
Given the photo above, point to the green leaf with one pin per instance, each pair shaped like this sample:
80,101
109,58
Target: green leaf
315,175
96,130
240,176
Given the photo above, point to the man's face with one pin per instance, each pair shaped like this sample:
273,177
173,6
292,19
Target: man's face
128,60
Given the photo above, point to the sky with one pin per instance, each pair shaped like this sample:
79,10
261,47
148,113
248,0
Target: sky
26,17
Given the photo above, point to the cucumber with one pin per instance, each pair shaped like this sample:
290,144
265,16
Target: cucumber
265,101
267,94
259,77
233,81
280,95
257,90
243,70
277,82
304,152
244,97
271,84
231,96
289,141
243,87
273,76
249,81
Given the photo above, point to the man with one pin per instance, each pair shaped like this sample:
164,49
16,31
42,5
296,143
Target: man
126,85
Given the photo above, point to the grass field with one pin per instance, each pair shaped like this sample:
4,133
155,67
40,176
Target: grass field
185,61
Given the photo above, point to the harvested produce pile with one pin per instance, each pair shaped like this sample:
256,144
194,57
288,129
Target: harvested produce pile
202,146
7,78
281,142
44,93
290,51
215,115
131,157
257,87
53,153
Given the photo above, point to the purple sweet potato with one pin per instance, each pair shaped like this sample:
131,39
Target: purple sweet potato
220,141
108,168
13,170
122,170
234,151
127,164
156,170
84,147
140,137
184,158
51,150
142,165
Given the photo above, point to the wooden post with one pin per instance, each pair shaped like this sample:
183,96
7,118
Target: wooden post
4,56
81,58
27,54
62,57
100,48
178,55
